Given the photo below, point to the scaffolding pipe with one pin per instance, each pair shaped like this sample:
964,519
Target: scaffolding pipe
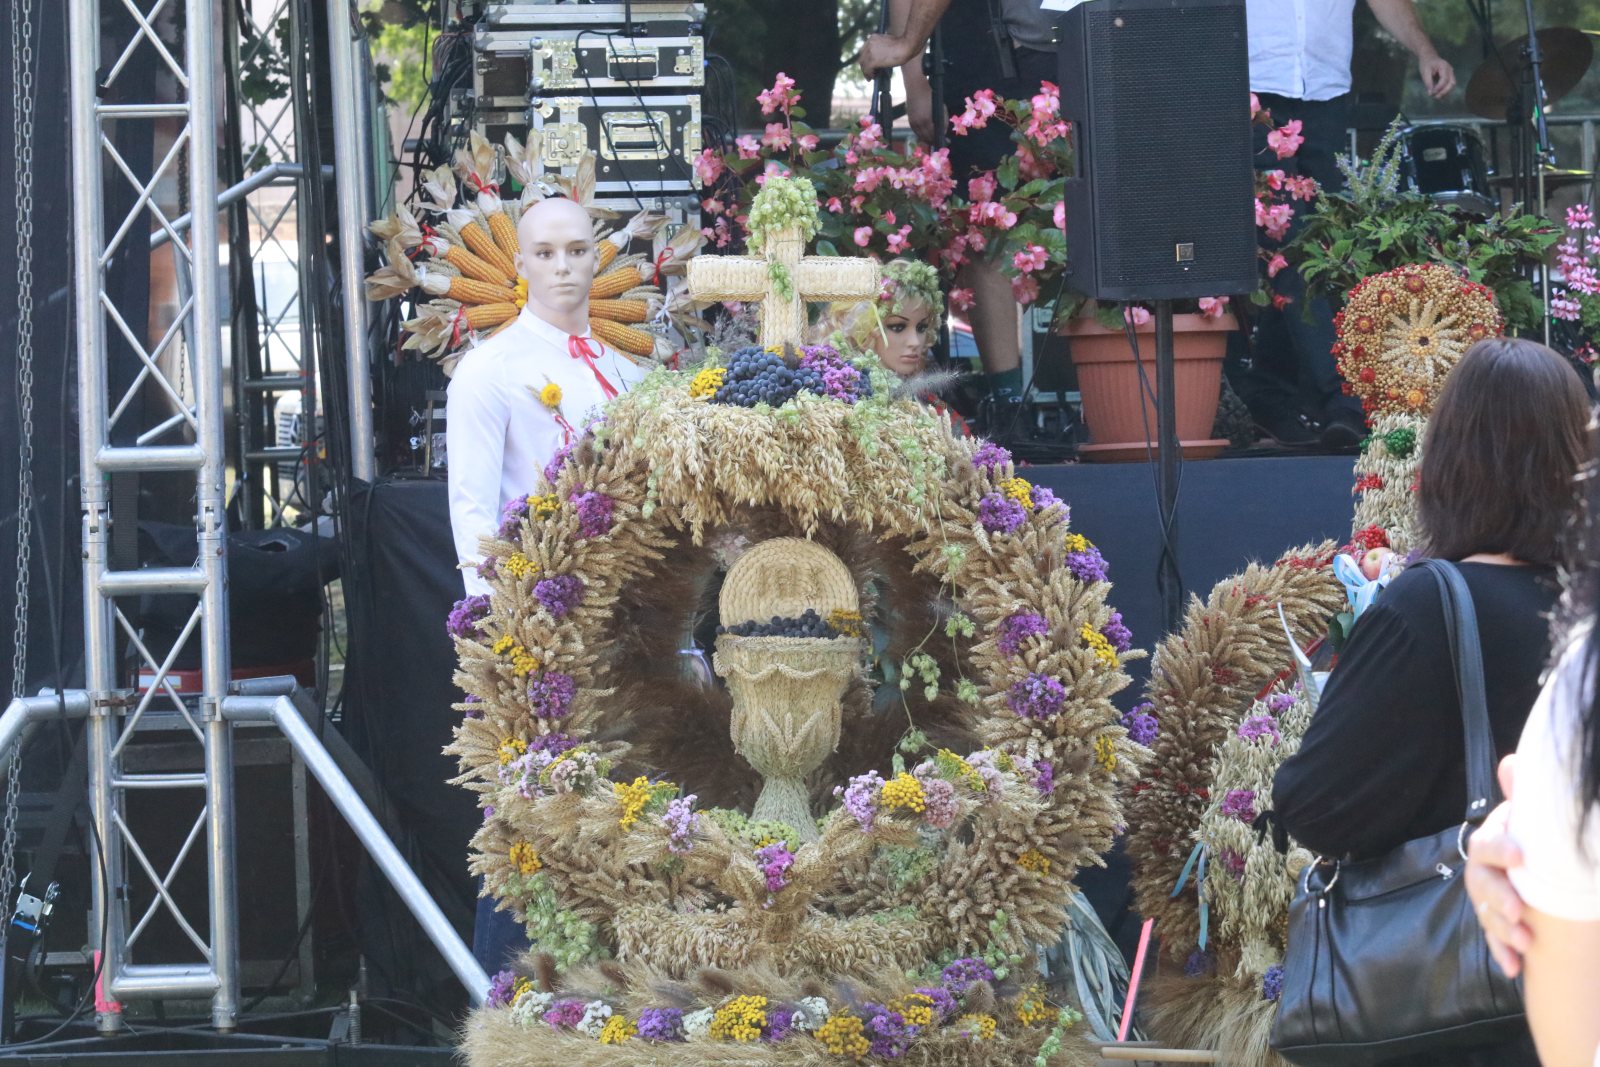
348,171
281,711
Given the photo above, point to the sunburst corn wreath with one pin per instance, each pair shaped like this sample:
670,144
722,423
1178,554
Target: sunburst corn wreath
1401,333
968,785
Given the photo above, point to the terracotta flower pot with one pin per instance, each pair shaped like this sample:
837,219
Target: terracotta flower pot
1112,393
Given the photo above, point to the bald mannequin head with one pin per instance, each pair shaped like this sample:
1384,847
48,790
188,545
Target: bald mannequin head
558,260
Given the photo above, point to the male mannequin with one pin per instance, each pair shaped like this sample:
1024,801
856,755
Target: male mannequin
500,434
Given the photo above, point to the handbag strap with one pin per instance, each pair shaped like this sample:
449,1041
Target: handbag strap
1466,653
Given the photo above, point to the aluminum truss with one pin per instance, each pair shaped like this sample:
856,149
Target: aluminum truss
190,442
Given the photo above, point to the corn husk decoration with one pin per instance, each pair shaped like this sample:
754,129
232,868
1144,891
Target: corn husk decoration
458,256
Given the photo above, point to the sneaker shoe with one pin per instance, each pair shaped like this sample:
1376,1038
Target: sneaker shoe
1292,429
1342,432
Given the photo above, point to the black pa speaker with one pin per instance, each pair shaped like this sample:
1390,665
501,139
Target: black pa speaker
1162,202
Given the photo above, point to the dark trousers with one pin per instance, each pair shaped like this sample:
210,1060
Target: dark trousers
1289,367
497,937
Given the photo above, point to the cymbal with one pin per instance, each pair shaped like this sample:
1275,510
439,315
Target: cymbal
1564,52
1553,178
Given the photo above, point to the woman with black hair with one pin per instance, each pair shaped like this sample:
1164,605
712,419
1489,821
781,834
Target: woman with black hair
1383,761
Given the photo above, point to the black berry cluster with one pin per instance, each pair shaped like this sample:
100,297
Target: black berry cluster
809,624
757,376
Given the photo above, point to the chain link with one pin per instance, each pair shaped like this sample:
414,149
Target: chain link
22,90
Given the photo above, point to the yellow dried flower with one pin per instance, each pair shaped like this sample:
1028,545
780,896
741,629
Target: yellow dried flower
1034,860
1031,1007
706,383
903,791
741,1019
1020,490
1105,752
915,1008
524,857
522,661
1078,543
1099,644
542,507
519,566
847,622
510,749
519,987
617,1030
844,1035
550,396
961,768
503,645
978,1027
633,797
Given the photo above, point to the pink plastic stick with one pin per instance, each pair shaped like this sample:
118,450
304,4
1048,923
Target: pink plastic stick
101,1003
1133,980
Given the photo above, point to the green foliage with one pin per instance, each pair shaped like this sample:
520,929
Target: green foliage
1375,225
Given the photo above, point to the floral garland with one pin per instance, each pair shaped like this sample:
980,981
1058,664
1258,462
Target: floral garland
1386,479
1401,332
939,855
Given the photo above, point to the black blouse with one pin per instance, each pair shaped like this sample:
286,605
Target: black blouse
1384,760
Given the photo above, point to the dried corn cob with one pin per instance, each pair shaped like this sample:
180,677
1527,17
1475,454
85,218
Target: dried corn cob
614,283
619,310
473,291
504,232
607,252
482,315
623,338
477,239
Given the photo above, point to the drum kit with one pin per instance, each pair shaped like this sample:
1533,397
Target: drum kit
1450,161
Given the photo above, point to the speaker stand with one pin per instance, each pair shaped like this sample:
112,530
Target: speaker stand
1169,468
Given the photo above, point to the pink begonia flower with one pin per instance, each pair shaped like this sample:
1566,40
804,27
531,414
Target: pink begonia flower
780,97
1280,301
1255,105
863,236
1275,264
1274,179
712,206
748,146
856,202
1135,314
961,299
981,188
980,109
1286,139
1047,102
778,137
834,205
888,216
1579,217
1301,188
808,142
1059,215
1212,307
1563,307
1278,217
871,135
898,240
1030,259
708,167
1025,289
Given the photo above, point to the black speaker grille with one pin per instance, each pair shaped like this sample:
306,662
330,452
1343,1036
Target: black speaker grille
1171,148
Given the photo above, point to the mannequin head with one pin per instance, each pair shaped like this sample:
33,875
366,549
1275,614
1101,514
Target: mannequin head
558,260
899,326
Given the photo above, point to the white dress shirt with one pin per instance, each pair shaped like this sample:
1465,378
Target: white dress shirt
1301,48
499,435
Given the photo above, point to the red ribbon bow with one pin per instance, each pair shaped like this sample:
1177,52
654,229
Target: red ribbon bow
580,348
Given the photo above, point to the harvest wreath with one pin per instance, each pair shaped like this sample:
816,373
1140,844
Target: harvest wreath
910,842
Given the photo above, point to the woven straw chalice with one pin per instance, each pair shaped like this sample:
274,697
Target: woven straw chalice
787,690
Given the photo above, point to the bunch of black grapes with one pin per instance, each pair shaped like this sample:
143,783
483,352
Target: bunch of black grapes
757,376
809,624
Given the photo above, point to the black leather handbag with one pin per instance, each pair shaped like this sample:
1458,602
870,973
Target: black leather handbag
1385,956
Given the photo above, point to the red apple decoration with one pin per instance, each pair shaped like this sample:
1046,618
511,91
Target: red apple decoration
1375,562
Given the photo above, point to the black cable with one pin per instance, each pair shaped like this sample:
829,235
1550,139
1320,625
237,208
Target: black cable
1168,553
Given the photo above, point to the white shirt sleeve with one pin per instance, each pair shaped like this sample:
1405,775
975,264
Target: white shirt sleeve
477,416
1560,874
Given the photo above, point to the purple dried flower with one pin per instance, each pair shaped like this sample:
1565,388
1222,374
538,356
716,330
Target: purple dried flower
1088,565
594,513
1272,982
1233,863
488,812
1044,776
1199,964
552,470
780,1024
1120,636
1038,696
680,820
465,615
944,1005
1142,726
1000,514
941,808
1257,726
564,1014
965,972
1015,629
888,1032
559,594
1044,497
512,516
550,694
500,987
552,744
775,860
861,797
474,712
661,1024
840,380
1279,703
487,569
990,456
1240,804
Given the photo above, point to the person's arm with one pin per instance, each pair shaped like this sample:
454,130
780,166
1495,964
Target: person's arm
1491,853
883,50
475,444
1363,766
1562,972
1399,17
